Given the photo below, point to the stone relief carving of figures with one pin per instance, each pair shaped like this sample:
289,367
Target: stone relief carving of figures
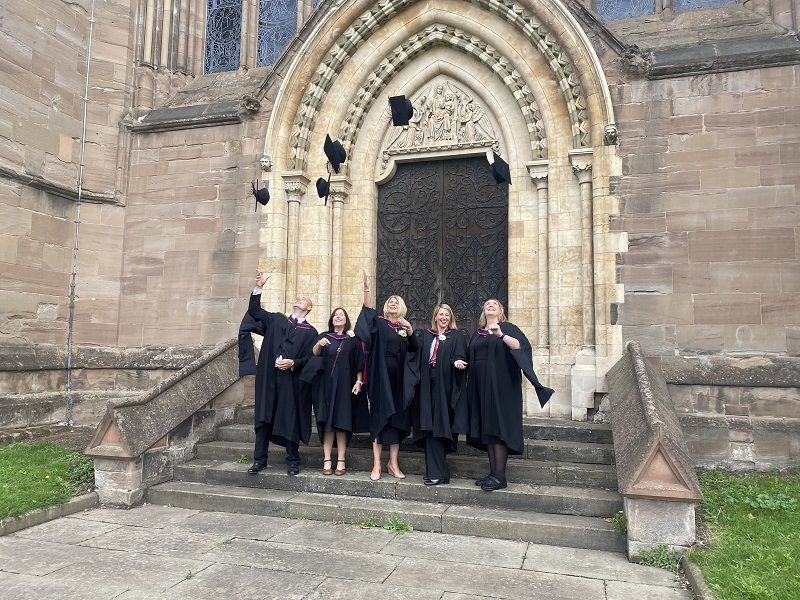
444,114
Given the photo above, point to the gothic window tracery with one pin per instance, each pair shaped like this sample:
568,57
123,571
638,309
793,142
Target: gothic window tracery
223,35
612,10
277,25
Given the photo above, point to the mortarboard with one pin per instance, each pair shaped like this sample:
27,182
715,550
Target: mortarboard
402,110
323,188
500,170
335,152
261,195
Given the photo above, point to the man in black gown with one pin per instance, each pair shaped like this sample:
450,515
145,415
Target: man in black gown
282,401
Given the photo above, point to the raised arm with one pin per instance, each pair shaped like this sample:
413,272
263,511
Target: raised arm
367,292
254,306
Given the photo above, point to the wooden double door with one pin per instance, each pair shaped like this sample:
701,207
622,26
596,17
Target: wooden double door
443,237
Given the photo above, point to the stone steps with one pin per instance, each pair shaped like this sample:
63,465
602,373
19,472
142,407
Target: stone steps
556,451
534,428
552,529
589,502
413,463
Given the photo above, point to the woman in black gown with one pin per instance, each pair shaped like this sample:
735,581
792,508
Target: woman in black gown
440,362
498,351
388,338
335,373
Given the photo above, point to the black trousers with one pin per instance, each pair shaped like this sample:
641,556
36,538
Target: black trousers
436,466
263,433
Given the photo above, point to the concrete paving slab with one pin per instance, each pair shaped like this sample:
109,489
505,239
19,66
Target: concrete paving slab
229,525
33,557
336,536
169,541
67,530
457,548
305,559
618,590
595,564
494,582
149,515
342,589
28,587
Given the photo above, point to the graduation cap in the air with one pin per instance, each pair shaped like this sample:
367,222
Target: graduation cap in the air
324,188
500,170
261,195
335,152
402,110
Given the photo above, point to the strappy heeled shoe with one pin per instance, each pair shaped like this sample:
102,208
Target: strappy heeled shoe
329,470
396,474
372,474
338,470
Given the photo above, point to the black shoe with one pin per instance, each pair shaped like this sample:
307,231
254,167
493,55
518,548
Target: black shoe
293,471
441,481
483,481
493,483
257,466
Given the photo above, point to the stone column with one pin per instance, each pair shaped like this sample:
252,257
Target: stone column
538,172
248,51
295,185
340,190
584,371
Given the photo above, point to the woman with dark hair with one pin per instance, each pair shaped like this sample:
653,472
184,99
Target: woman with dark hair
388,338
335,373
498,351
440,364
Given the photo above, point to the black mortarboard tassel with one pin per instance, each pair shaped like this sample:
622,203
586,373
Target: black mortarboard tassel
335,153
261,195
402,110
500,170
323,188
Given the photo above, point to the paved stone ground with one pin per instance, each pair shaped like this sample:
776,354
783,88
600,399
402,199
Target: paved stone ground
161,552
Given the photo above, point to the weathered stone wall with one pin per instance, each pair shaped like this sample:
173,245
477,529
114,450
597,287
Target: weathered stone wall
43,57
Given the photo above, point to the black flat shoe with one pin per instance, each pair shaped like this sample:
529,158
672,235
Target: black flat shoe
293,471
257,466
483,481
493,483
429,482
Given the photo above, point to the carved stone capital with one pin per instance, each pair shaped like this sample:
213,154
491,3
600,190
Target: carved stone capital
295,185
340,188
581,161
538,171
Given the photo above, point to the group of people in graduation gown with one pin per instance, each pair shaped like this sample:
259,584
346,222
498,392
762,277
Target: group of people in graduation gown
431,382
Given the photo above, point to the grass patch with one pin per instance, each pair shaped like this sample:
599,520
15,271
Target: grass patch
396,524
752,524
661,556
620,522
39,475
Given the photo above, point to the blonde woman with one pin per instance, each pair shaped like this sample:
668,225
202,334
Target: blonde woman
499,353
441,364
387,338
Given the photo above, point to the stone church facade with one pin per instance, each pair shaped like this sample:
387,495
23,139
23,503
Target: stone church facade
654,152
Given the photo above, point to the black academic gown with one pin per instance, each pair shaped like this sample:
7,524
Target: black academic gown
332,376
281,398
387,370
439,406
494,388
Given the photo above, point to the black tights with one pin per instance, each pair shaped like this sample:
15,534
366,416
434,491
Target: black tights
498,457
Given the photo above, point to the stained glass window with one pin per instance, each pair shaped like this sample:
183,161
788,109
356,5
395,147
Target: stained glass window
624,9
223,35
277,25
691,4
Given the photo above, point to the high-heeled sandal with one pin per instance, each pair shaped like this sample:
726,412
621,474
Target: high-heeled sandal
329,470
396,474
371,475
338,470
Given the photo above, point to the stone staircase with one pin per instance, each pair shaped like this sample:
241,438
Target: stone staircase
559,494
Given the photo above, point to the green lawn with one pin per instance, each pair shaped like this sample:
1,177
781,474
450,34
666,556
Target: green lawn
39,475
753,550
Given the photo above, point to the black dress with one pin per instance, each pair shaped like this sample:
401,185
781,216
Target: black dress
386,348
332,375
438,410
494,388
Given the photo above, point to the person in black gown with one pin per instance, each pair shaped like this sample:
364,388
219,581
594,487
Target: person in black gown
388,338
440,363
335,373
498,351
282,401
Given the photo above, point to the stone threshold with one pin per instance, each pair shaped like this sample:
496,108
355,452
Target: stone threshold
43,515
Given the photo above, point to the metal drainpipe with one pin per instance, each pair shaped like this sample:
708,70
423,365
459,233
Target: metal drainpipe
70,321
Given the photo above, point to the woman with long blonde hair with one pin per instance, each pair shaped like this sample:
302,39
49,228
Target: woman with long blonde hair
499,354
387,338
441,364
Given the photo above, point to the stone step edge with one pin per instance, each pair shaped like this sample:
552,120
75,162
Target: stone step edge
247,448
592,533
